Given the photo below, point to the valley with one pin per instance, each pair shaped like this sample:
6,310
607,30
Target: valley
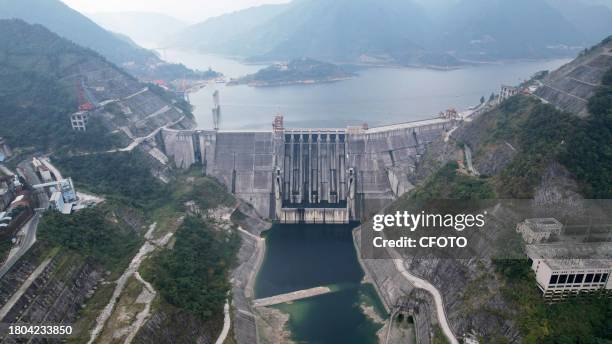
132,213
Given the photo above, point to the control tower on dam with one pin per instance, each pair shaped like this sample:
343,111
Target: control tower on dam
309,175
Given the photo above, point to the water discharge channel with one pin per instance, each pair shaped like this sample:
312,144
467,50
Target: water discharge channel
306,256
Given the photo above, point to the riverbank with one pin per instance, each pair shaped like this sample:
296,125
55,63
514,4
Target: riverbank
394,290
243,277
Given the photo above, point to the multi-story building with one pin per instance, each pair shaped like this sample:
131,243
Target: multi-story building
56,201
68,191
539,230
569,269
79,120
507,92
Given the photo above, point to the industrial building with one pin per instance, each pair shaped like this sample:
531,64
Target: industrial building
18,213
79,120
63,194
568,269
507,92
43,170
539,230
7,192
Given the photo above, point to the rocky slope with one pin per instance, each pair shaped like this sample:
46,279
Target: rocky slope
520,150
570,87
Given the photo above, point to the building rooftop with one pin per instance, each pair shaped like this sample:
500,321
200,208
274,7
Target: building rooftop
571,255
543,224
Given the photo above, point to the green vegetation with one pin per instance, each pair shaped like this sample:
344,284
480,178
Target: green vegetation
447,183
121,176
578,320
295,72
194,275
438,336
545,134
539,130
36,101
206,193
590,154
171,98
92,233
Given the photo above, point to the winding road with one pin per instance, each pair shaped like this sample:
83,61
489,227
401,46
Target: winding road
430,288
226,324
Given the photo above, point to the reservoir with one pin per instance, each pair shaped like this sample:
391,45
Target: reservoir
301,256
305,256
376,96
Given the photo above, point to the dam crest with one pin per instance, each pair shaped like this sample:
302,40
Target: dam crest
330,176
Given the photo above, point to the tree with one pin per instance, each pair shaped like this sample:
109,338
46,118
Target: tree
482,100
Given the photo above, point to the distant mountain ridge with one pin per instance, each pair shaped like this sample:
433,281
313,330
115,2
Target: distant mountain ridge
406,32
143,27
70,24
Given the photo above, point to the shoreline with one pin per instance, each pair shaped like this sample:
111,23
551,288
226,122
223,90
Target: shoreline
305,82
368,278
464,63
246,318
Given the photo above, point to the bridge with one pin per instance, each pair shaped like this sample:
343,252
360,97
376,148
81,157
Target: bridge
328,175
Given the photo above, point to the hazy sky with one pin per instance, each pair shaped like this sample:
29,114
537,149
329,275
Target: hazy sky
187,10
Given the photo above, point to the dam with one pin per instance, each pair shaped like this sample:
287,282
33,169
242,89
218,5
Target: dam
304,175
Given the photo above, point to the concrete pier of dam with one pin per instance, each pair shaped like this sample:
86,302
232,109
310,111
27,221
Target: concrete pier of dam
309,175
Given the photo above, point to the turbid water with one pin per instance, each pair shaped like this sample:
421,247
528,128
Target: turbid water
376,96
305,256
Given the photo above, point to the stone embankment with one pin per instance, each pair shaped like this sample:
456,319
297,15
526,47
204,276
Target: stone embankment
292,296
250,258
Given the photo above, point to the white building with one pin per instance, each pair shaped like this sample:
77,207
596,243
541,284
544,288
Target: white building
539,230
56,201
507,92
79,120
569,269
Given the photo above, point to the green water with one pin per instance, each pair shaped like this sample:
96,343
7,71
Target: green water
306,256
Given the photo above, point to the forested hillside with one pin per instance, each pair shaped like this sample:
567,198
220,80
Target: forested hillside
37,97
72,25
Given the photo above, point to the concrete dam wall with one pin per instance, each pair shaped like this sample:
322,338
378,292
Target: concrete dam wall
309,175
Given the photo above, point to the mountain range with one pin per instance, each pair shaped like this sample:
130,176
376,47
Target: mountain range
70,24
145,28
44,78
403,31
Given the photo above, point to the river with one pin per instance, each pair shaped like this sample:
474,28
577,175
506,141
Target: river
376,96
306,256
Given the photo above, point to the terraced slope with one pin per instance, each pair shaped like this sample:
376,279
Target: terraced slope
570,87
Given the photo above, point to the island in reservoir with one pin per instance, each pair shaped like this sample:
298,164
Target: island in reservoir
303,71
